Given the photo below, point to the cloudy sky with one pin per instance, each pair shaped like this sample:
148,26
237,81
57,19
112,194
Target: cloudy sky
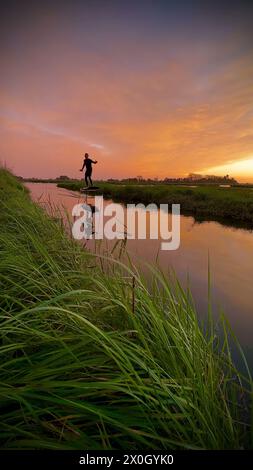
152,88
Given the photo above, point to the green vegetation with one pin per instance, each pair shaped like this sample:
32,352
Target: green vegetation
88,360
231,205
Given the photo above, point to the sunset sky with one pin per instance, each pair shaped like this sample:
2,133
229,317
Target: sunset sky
152,88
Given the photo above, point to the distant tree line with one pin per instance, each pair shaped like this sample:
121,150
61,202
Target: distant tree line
191,178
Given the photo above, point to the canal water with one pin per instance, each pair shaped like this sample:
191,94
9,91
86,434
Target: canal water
230,251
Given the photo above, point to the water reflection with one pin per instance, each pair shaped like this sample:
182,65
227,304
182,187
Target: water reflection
230,251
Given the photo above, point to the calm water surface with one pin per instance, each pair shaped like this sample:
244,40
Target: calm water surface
231,261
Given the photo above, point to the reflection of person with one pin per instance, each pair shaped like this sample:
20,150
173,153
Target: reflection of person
87,163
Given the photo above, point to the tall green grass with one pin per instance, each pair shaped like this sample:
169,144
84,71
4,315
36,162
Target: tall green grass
91,359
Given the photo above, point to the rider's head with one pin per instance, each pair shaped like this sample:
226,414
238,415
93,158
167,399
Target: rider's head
86,155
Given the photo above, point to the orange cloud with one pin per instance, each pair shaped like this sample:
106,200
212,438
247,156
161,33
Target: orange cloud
167,113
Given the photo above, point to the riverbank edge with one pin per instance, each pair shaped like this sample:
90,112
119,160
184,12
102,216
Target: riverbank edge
228,206
157,387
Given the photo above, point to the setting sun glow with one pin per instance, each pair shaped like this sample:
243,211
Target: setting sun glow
241,169
158,89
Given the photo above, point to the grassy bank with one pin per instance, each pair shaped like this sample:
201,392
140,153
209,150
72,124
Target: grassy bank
231,205
88,361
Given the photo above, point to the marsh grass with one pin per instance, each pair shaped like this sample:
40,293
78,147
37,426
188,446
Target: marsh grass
92,359
231,206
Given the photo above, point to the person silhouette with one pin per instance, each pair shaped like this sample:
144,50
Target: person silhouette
87,163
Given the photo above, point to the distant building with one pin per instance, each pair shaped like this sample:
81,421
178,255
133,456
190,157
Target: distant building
194,176
62,178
